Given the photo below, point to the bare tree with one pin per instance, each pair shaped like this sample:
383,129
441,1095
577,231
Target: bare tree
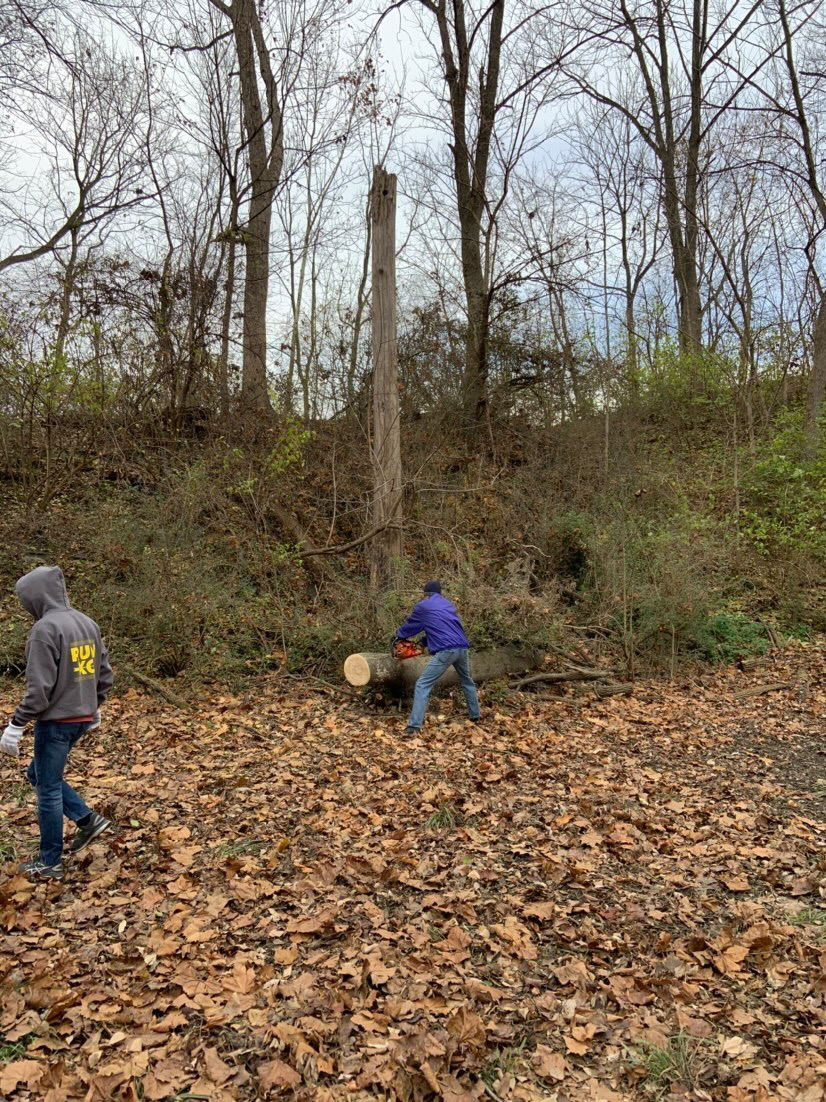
495,86
801,109
90,121
261,102
682,56
627,190
325,123
790,86
32,33
548,235
221,148
740,266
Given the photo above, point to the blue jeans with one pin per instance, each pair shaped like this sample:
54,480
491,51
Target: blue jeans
442,660
52,743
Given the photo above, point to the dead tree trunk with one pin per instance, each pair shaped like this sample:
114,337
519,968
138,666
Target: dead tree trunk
386,549
381,669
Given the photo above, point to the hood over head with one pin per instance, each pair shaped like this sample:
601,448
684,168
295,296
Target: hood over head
41,590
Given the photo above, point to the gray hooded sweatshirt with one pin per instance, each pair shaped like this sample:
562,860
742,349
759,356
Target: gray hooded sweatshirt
67,669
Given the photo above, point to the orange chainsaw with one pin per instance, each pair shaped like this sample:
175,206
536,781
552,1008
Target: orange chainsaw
406,648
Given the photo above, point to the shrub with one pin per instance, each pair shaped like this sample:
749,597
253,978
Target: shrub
784,496
657,579
725,636
686,386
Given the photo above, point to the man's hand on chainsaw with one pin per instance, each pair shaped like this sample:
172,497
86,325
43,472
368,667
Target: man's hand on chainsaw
405,648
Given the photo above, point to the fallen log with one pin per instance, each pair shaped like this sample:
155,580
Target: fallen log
748,664
565,675
604,688
758,690
614,689
381,669
156,687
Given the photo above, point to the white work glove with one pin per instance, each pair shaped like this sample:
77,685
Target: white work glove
9,743
93,726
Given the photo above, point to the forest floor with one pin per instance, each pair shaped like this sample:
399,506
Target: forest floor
578,899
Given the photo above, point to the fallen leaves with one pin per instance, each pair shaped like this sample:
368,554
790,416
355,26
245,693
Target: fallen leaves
25,1072
275,1073
277,918
736,883
312,925
549,1064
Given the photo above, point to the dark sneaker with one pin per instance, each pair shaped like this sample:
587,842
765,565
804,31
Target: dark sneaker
86,834
37,870
411,731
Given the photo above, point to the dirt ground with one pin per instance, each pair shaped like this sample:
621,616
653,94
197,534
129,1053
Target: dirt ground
575,900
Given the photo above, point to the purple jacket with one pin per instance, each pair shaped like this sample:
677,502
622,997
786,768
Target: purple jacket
438,619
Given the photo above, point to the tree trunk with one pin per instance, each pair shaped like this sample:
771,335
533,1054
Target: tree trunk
470,170
381,669
679,204
630,293
226,324
692,311
690,315
228,249
254,392
163,320
265,155
569,368
386,550
475,388
67,290
817,380
689,311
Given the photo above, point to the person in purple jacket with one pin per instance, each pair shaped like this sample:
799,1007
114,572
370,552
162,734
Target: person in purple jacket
437,619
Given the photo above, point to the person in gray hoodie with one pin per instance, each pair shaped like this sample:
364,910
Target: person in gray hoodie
68,677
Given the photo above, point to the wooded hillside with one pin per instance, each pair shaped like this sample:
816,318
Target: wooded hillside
282,334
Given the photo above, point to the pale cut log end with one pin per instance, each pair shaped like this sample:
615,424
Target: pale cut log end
357,670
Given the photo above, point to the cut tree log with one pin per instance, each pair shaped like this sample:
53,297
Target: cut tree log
381,669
